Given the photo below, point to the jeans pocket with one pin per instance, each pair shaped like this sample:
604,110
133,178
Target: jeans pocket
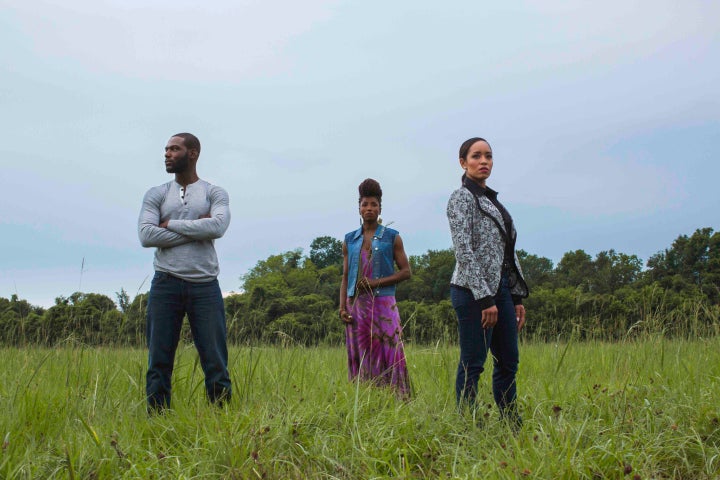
159,277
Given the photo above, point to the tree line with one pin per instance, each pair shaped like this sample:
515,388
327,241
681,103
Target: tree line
293,298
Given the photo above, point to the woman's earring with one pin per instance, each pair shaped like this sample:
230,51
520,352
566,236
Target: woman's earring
379,220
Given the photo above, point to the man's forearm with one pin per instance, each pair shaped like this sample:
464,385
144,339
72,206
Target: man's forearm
200,229
207,227
154,236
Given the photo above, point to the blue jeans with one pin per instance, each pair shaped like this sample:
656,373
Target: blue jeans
170,299
502,340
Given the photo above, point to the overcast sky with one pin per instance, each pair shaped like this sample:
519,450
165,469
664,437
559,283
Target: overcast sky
604,118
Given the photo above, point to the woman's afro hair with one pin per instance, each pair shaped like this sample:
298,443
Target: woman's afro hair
370,188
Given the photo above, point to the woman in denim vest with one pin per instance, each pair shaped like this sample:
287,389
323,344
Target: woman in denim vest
367,296
487,286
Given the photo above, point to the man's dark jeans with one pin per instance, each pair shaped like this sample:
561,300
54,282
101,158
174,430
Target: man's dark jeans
170,299
502,340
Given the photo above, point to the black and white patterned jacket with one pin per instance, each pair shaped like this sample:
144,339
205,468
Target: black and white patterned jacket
479,237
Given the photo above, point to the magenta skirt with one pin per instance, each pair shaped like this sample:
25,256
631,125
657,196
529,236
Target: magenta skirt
374,341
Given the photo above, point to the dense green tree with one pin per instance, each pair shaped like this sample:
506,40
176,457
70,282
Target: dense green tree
692,261
18,320
536,270
575,269
613,271
275,266
292,299
430,280
286,298
326,251
80,316
132,328
123,300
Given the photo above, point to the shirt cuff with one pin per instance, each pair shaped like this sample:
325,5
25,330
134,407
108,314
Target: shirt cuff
486,302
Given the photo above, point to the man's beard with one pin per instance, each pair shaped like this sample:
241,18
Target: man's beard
179,165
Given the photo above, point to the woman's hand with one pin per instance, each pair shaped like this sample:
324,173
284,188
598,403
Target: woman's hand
489,317
344,315
520,316
365,284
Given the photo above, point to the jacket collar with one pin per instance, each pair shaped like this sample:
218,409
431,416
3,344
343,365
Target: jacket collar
479,192
378,233
477,189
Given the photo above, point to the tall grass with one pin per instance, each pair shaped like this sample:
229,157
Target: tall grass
592,410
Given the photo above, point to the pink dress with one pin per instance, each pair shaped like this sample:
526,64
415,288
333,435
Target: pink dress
374,344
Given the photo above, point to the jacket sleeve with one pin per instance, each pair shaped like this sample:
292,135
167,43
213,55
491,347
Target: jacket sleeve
207,228
468,266
150,234
520,290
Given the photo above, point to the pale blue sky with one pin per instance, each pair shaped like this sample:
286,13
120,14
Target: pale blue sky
604,118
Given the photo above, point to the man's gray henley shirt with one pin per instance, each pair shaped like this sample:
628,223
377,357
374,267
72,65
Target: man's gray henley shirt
185,248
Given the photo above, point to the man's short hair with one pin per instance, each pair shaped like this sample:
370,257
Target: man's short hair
190,141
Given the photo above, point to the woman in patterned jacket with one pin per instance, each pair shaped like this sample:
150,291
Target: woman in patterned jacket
487,286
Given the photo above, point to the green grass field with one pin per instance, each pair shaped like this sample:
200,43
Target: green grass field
646,409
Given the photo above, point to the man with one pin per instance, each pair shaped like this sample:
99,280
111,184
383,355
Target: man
181,219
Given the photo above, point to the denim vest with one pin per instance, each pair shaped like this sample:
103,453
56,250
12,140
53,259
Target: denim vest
383,264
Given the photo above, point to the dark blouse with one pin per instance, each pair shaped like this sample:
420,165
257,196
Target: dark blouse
491,195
